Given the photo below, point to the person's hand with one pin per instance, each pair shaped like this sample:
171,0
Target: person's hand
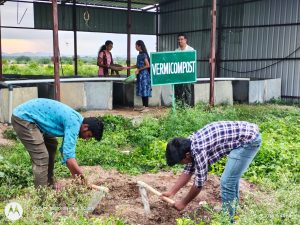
80,179
179,205
167,194
137,71
57,187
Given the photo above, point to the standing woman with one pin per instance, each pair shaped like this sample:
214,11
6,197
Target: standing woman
143,84
105,58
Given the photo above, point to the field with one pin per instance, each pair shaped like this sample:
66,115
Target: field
24,65
133,149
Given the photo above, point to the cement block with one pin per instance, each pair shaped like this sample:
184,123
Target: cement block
20,95
223,92
273,89
155,100
166,95
98,95
256,90
73,94
201,93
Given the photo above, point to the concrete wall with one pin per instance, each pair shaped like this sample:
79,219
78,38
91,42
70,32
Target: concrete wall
223,92
125,95
155,100
98,95
162,95
73,94
257,90
20,95
166,95
82,95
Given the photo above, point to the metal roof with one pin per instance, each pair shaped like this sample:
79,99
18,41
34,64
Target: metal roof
135,4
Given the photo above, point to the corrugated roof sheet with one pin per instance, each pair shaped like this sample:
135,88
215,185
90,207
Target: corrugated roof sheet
135,4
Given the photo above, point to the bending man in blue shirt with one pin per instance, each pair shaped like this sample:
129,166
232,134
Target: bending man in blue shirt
38,122
238,140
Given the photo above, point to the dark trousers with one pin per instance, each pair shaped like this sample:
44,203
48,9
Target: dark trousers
41,148
184,93
145,101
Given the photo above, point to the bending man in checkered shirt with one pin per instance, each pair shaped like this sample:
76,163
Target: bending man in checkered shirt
238,140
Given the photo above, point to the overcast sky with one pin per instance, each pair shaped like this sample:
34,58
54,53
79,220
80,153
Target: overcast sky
24,40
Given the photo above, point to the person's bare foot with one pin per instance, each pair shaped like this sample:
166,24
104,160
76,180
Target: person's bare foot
139,108
146,109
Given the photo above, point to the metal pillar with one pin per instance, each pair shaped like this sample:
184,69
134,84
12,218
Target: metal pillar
75,39
55,51
212,59
128,35
1,71
157,28
219,44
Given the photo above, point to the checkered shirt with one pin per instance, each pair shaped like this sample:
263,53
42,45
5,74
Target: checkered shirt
214,141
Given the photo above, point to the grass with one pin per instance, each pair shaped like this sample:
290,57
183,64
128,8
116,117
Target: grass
275,168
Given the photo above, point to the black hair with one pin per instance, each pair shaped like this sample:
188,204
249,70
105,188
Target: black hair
103,47
143,47
108,42
95,125
176,150
182,34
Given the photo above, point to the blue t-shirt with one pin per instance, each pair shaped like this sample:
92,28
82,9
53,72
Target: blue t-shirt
55,119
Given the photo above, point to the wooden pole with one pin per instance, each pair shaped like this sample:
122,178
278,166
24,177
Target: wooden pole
212,59
55,51
151,189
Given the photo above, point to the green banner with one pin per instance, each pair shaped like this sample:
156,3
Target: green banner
173,67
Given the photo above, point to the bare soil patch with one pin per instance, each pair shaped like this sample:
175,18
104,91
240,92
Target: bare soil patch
124,200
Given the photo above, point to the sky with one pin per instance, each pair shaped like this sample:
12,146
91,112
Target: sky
88,44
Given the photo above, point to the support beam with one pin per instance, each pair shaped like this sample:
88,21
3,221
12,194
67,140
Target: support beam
1,70
128,35
75,39
157,28
219,39
212,59
55,51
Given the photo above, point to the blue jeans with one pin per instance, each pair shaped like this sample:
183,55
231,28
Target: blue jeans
238,161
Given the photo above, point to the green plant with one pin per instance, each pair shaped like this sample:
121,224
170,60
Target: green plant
10,134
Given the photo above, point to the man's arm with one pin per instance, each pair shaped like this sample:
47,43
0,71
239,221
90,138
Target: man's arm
194,191
74,168
182,181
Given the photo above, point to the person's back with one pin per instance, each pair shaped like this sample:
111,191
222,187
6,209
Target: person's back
51,116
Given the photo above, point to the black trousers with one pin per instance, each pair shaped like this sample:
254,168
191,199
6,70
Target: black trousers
145,101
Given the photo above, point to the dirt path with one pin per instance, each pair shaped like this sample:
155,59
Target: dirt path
129,112
125,202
